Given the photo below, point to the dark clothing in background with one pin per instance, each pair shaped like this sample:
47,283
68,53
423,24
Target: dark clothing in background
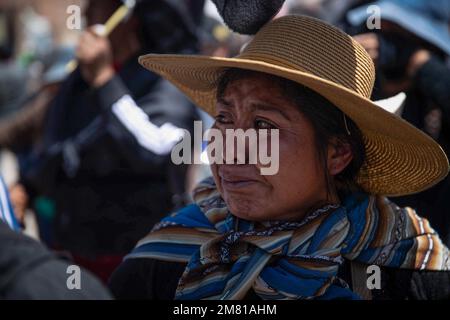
433,80
13,87
170,26
30,271
431,91
157,280
108,189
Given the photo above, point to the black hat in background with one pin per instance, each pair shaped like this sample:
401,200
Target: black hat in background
247,16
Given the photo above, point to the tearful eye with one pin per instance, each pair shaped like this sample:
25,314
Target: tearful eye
222,119
263,124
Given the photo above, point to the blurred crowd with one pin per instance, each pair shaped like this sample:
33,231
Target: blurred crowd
86,153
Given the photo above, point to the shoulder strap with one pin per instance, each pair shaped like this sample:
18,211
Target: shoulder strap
359,280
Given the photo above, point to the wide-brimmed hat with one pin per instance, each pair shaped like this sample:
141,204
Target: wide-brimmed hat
400,158
428,20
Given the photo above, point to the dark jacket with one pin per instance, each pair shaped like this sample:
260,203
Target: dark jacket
30,271
109,187
157,280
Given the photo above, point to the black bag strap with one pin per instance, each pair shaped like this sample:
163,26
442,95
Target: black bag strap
359,280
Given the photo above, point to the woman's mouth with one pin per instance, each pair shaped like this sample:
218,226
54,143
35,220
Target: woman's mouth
233,181
237,184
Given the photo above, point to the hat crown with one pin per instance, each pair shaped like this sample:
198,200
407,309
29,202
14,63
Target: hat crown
309,45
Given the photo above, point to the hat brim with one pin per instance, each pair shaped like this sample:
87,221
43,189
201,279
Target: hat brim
400,159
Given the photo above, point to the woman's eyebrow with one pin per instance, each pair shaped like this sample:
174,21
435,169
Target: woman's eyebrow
270,108
257,106
223,102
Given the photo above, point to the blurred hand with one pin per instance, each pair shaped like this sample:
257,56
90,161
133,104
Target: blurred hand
19,201
370,42
94,55
417,60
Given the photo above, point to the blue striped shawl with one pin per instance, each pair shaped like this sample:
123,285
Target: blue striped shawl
226,256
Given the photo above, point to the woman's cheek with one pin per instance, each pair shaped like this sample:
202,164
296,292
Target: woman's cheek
287,155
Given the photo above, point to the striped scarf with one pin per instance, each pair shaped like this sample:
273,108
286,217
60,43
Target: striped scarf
226,256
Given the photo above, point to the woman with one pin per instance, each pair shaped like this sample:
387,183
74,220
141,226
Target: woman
287,236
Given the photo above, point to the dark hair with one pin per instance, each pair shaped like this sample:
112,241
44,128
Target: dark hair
328,122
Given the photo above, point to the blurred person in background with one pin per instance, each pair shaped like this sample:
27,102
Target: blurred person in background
22,132
13,93
410,52
105,156
33,60
30,271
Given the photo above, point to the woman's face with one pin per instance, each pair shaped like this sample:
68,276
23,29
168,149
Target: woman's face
255,102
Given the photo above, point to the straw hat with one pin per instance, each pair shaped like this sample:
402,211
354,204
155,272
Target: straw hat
400,158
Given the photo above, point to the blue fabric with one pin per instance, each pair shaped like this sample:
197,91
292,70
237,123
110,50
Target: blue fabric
284,276
429,20
6,210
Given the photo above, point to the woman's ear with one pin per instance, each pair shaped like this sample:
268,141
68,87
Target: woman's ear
339,156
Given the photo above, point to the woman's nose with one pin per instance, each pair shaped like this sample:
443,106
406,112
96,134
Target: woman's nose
240,146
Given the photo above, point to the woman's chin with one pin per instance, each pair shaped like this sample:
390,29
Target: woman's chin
247,210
